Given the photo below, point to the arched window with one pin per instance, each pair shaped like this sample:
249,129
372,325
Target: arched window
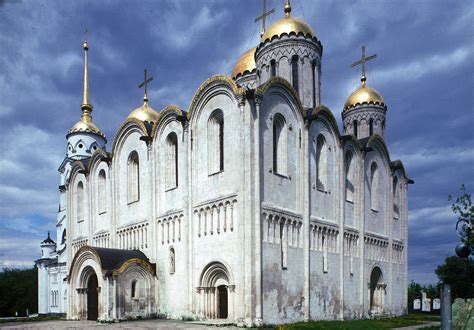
354,125
321,163
294,72
280,145
215,142
374,187
172,261
171,161
371,127
396,200
133,177
272,68
63,239
101,194
349,170
80,201
134,289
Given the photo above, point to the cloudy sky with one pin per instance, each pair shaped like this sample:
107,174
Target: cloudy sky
424,70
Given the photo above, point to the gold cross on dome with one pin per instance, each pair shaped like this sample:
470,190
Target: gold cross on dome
264,16
144,84
362,61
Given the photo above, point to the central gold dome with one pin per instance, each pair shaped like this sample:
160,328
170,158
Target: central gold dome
364,95
288,25
245,64
144,113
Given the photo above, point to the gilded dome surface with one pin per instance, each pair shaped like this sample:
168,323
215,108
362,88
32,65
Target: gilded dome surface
364,95
85,125
144,113
246,63
287,25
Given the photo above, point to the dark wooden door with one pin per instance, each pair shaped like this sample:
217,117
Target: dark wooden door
222,301
92,298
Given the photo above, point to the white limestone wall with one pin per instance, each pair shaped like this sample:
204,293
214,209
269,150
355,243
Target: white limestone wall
171,224
275,183
325,300
353,303
324,199
376,221
283,297
43,290
128,212
216,197
80,227
101,209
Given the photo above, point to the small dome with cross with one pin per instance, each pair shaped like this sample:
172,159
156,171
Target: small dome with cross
145,113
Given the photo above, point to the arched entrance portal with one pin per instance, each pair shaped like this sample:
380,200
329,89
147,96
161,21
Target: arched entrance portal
216,292
92,298
222,301
376,291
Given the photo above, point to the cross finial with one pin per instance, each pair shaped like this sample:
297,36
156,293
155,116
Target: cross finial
144,84
264,16
362,62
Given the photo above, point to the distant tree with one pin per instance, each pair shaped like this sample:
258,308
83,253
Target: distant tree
453,272
414,291
463,208
18,291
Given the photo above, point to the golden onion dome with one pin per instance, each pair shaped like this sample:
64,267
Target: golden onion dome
245,64
364,95
85,126
288,25
145,113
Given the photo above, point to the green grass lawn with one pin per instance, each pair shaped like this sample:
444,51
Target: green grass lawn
396,322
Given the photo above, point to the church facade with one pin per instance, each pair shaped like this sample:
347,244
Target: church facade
251,206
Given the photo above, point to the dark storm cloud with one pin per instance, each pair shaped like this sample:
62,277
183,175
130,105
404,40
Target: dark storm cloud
424,70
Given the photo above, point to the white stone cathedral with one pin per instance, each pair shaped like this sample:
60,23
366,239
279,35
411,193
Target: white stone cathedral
251,206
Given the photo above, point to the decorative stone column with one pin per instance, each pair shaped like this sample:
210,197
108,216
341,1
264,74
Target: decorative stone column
230,301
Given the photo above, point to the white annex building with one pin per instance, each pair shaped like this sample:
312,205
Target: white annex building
251,206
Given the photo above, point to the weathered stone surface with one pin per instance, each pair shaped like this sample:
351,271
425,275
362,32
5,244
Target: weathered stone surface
463,314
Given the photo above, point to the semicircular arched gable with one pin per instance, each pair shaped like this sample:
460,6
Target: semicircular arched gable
378,145
84,254
77,167
124,131
397,166
96,159
168,114
283,87
128,127
142,267
209,88
323,113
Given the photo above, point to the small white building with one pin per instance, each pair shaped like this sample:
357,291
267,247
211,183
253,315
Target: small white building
250,206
